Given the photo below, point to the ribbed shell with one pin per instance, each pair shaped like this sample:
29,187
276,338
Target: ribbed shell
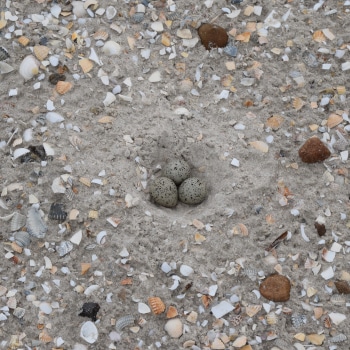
124,321
18,221
338,338
57,213
156,304
22,238
35,225
64,248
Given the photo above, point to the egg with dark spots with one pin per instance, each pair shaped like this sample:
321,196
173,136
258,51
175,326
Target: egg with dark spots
164,192
177,170
193,191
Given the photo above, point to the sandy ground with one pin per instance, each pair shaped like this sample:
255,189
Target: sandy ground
205,111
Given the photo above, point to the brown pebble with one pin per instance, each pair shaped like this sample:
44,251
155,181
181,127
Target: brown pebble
321,229
343,287
276,288
212,36
313,151
54,78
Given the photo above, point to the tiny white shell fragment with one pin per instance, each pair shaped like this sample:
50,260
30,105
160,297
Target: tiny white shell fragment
89,290
19,152
48,263
143,308
29,67
111,48
48,149
328,273
57,186
155,77
101,237
186,270
89,332
336,247
46,308
222,309
13,92
110,98
213,289
165,267
235,162
54,117
124,253
77,237
303,234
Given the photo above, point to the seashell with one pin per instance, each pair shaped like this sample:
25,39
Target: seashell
164,192
56,212
298,103
171,312
174,328
343,287
106,119
5,68
3,54
29,67
101,238
41,52
110,12
17,222
156,304
240,341
251,273
274,122
338,299
212,36
111,48
64,248
45,337
24,41
86,65
298,320
101,35
89,332
63,87
318,312
313,151
93,214
318,36
137,17
334,120
15,247
124,321
337,317
19,312
230,50
22,238
35,225
275,288
85,267
85,181
260,146
236,320
338,338
90,310
252,310
271,318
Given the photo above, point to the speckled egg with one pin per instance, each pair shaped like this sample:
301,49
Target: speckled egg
177,170
193,191
164,192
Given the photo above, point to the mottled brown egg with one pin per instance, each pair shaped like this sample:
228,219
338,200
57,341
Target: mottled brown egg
212,36
275,288
313,151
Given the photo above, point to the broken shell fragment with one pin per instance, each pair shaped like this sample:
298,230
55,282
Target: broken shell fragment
276,288
89,332
29,67
17,222
22,238
64,248
111,48
35,225
212,36
156,304
124,321
57,213
62,87
174,328
313,151
41,52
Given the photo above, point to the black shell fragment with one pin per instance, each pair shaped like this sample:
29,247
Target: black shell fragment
90,310
54,78
57,212
3,54
36,154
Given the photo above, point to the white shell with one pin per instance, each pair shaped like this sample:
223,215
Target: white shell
78,9
337,317
143,308
222,309
64,248
174,328
19,152
18,221
54,117
110,12
19,312
46,308
186,270
110,98
35,225
89,332
29,67
111,48
48,149
77,237
5,68
101,237
89,290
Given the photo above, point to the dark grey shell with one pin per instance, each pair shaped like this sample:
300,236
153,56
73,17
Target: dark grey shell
177,170
57,213
22,238
3,54
124,321
164,192
193,191
35,224
64,248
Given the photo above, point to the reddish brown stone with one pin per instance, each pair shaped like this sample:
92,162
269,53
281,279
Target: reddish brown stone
313,151
321,229
212,36
343,287
275,288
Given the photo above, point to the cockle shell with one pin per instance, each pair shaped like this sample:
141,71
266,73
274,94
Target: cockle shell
252,310
23,40
86,65
29,67
124,321
111,48
22,238
57,213
171,312
17,222
62,87
156,304
101,35
174,328
35,224
271,318
41,52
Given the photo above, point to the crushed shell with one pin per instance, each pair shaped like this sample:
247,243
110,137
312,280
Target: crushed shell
124,321
41,52
62,87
